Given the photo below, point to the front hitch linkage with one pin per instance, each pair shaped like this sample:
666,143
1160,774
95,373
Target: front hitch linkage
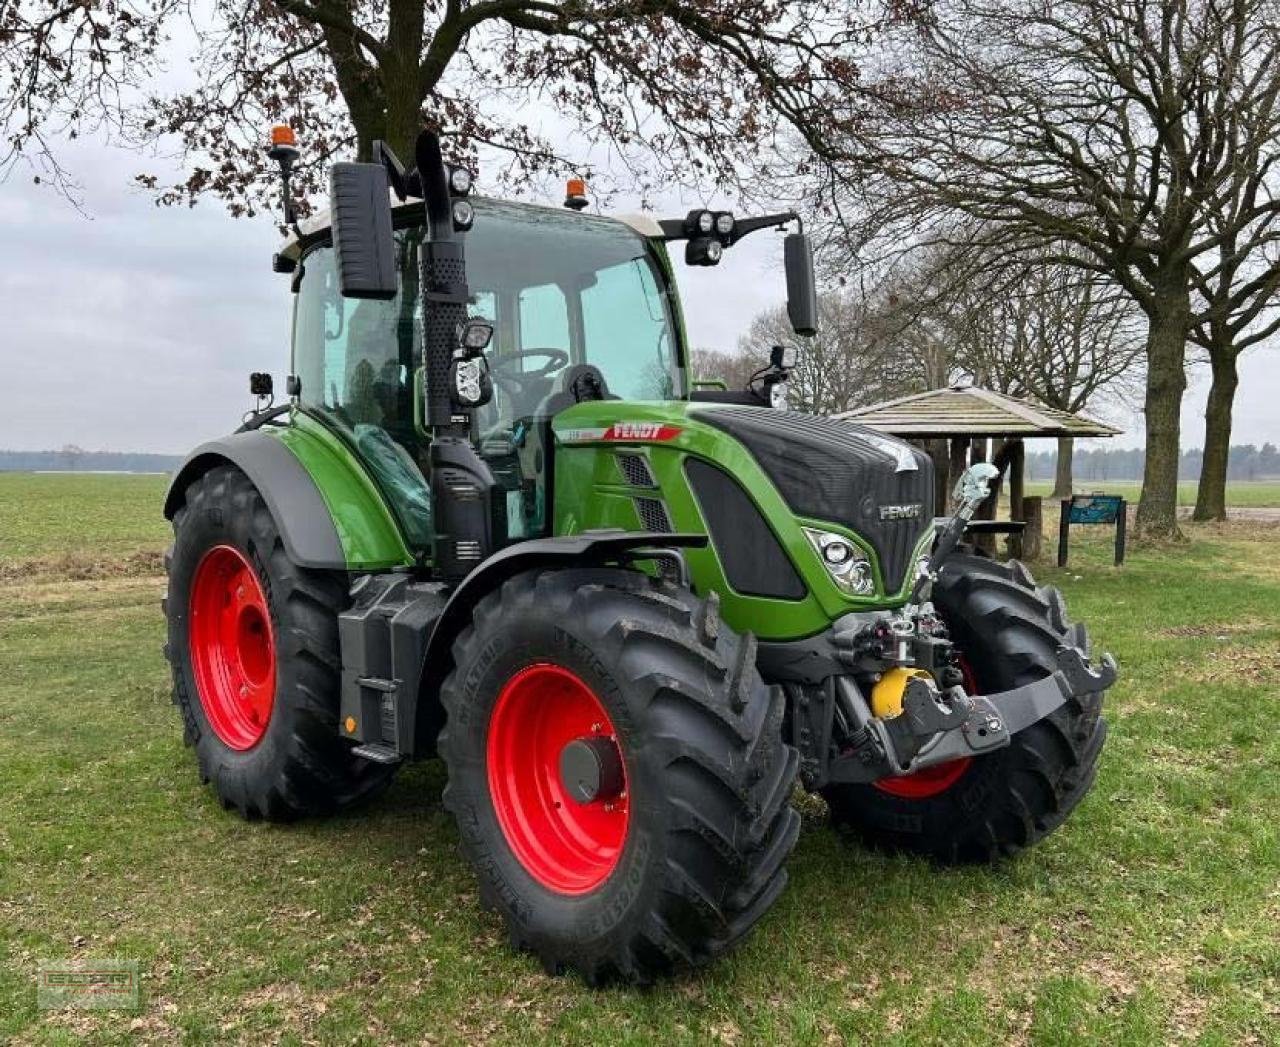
936,726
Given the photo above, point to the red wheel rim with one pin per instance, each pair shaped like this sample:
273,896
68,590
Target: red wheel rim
233,651
567,846
935,780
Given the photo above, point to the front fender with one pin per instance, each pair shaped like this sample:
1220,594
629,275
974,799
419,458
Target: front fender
587,548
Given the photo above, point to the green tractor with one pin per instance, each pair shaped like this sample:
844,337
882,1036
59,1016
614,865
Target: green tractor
496,522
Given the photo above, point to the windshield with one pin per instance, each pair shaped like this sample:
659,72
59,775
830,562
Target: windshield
561,289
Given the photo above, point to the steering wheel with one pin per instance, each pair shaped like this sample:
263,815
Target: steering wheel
501,370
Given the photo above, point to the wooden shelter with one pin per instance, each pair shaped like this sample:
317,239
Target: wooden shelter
956,424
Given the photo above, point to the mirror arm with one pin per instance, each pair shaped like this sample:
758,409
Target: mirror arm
383,154
674,228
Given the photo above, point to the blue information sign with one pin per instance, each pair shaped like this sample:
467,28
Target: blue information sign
1095,508
1092,509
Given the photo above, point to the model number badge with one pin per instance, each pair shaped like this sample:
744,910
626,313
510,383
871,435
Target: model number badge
901,512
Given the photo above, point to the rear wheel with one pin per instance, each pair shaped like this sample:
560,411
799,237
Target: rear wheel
617,772
982,808
253,646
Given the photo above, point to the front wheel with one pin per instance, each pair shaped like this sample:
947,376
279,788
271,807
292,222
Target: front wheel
1007,632
617,772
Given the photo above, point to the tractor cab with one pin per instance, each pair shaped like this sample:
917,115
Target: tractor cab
581,307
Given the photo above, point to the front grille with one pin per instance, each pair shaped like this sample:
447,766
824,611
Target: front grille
753,559
829,470
653,515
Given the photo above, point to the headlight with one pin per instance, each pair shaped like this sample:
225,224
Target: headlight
463,214
724,223
460,181
845,562
706,221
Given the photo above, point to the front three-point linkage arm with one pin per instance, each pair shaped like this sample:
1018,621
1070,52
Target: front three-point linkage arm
972,489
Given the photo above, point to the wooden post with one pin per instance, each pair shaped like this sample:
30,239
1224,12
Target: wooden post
1122,527
941,466
1017,476
1064,532
1017,462
955,466
1033,535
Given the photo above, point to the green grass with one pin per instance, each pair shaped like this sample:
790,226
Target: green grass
56,515
1260,494
1150,917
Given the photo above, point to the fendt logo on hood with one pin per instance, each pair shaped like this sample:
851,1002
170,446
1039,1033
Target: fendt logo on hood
910,511
623,432
641,431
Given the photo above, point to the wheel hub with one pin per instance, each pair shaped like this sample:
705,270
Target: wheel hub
591,769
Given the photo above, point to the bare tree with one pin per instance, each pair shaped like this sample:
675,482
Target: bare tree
1240,290
1136,138
676,90
849,363
1060,335
716,365
1065,337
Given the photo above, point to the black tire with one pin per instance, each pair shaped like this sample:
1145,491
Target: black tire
1009,631
709,775
300,766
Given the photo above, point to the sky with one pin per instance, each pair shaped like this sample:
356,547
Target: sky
134,328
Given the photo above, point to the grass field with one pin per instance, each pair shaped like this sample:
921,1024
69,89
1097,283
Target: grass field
1152,917
1262,494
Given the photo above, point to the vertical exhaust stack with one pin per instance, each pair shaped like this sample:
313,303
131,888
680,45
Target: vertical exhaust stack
467,517
444,287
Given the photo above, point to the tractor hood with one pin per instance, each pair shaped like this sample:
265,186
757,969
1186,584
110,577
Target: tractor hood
875,485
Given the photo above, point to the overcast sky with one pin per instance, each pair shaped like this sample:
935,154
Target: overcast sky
135,329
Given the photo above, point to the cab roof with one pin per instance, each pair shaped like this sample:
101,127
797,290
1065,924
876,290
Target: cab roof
318,223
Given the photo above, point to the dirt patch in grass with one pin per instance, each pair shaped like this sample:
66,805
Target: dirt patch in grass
1236,664
83,566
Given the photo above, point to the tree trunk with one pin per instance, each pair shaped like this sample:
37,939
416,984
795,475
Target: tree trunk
1166,381
1062,479
1211,495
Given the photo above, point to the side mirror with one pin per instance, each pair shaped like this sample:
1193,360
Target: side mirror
802,290
360,203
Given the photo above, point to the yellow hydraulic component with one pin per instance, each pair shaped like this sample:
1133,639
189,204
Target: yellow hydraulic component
886,695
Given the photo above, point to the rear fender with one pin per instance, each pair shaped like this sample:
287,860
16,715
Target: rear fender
306,526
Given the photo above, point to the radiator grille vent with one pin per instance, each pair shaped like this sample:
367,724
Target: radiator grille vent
635,470
653,514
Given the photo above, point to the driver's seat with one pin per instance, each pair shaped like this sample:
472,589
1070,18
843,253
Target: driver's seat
578,383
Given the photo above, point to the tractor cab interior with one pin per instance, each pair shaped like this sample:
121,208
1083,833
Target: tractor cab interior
580,311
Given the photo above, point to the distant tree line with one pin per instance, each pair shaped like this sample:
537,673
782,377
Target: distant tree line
73,459
1244,462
